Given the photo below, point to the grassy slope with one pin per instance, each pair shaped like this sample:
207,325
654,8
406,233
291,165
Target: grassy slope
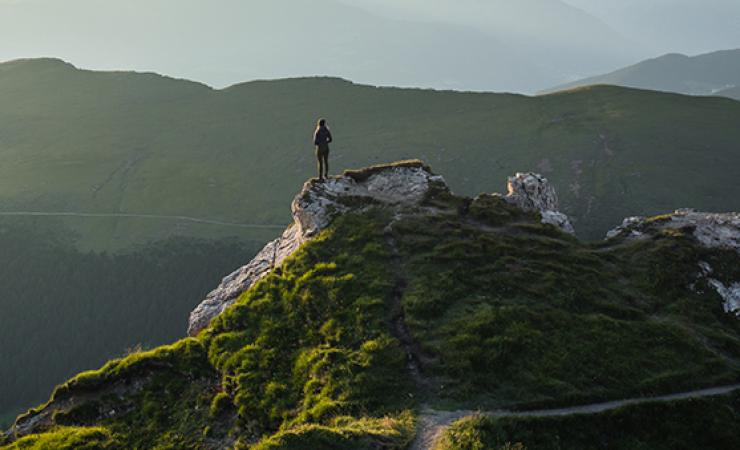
77,140
710,423
64,311
509,313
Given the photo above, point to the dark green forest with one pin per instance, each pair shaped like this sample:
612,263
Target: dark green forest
63,310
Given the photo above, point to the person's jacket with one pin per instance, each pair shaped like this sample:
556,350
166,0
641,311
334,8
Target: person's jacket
322,136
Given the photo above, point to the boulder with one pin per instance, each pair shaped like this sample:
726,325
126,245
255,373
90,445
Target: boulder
532,192
711,230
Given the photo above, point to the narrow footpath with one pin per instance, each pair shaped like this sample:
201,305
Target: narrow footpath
433,423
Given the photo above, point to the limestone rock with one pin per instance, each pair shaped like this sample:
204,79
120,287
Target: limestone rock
272,255
730,295
712,230
532,192
402,184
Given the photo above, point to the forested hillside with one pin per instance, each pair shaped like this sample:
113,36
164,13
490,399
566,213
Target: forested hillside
75,140
64,310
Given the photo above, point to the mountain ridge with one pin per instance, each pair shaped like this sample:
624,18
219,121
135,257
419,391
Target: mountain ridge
705,74
153,141
489,300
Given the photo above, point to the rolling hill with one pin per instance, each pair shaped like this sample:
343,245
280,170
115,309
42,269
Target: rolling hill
406,303
96,166
706,74
239,40
131,143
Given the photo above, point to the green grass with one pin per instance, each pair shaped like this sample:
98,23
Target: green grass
708,423
523,314
505,312
67,438
122,142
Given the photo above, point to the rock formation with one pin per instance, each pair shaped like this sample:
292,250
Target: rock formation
711,230
532,192
404,184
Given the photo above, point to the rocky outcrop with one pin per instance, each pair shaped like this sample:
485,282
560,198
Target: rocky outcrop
403,184
730,293
532,192
272,255
712,230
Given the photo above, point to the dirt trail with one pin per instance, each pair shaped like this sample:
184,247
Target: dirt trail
398,321
433,423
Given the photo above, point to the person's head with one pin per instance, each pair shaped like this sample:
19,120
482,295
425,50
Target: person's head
322,122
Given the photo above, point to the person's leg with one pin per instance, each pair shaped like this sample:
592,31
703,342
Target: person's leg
319,162
326,163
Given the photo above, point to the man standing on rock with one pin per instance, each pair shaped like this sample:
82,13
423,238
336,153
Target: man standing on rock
322,138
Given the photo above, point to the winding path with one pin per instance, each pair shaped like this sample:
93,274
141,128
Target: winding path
432,423
140,216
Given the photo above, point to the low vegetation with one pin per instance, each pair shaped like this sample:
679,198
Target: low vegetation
708,423
64,310
500,311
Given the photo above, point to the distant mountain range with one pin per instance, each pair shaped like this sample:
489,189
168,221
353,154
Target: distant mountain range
730,93
716,73
484,46
671,26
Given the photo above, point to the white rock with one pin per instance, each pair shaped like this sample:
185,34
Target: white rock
401,186
730,295
712,230
313,210
532,192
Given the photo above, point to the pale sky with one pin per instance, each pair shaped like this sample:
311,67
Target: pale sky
504,45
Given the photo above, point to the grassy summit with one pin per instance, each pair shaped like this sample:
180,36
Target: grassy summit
459,303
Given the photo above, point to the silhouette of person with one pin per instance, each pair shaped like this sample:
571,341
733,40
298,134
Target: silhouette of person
321,138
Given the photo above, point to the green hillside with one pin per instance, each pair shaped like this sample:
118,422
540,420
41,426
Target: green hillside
681,425
457,304
692,75
64,310
80,141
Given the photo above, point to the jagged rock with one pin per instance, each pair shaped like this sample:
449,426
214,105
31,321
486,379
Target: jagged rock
730,295
712,230
404,184
532,192
401,184
272,255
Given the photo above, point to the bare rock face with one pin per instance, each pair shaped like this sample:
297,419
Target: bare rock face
712,230
532,192
402,184
730,293
233,285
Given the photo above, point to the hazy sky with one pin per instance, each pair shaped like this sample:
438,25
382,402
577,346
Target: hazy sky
516,45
